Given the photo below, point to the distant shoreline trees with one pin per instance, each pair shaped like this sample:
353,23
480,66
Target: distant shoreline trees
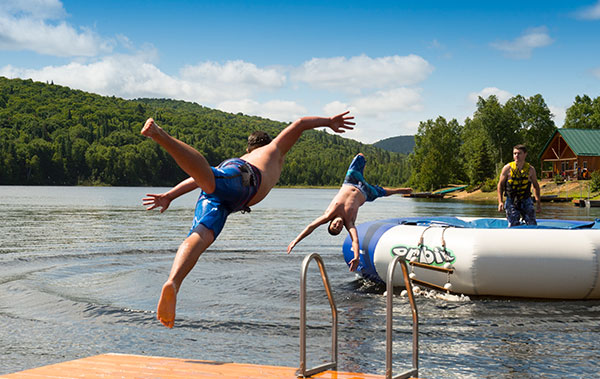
53,135
447,152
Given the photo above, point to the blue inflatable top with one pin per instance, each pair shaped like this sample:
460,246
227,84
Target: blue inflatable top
370,232
492,223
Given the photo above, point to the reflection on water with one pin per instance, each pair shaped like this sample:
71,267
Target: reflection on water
81,269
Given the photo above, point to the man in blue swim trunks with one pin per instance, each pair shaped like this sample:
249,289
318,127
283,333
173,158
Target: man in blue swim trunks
343,209
234,185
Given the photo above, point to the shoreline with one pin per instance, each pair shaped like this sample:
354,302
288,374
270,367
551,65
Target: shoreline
571,189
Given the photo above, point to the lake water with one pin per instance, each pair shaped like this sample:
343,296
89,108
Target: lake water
81,269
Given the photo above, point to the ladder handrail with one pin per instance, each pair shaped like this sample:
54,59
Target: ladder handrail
302,371
389,321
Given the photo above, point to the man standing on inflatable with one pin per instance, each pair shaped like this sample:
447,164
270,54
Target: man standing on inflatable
234,185
516,179
343,209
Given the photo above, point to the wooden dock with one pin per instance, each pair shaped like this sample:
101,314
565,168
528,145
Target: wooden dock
554,199
586,203
137,366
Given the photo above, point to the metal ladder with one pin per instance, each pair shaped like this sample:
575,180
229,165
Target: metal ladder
304,372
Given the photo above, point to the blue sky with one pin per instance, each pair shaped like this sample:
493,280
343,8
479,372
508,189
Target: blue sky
392,63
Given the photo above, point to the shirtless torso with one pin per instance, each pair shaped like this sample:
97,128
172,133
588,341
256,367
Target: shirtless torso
269,160
346,204
343,209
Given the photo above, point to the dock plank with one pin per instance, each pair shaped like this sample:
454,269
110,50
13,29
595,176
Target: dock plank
136,366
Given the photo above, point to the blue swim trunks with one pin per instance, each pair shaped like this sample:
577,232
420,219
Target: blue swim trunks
517,208
236,182
354,177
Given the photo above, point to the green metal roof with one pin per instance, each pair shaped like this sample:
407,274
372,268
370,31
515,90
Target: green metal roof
581,141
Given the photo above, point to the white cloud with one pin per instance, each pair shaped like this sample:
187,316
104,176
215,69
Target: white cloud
394,100
559,113
133,76
235,79
502,95
522,47
589,13
25,25
372,126
596,72
37,9
356,73
370,129
337,107
125,76
280,110
380,114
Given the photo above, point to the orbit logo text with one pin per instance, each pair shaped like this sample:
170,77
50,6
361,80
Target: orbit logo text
436,256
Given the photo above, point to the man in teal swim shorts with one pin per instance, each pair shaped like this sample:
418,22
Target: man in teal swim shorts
343,209
234,185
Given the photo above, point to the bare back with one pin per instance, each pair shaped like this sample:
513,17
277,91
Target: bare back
269,160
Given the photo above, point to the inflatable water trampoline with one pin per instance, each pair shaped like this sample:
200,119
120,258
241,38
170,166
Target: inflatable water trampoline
557,259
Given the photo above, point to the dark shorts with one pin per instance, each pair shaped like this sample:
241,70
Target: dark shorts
236,182
354,177
520,208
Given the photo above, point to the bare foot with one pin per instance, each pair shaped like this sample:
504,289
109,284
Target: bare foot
150,128
166,305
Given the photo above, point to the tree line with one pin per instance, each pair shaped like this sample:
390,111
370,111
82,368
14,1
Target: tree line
53,135
474,152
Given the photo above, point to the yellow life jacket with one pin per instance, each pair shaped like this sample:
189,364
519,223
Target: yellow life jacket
518,185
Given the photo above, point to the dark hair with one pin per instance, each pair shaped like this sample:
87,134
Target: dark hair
258,139
331,231
521,147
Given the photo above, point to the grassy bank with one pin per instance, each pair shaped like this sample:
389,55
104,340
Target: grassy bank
572,189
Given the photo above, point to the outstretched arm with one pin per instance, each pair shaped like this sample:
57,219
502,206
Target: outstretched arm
355,247
290,135
309,229
163,200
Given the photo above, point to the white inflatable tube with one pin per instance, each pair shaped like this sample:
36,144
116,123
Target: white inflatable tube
545,262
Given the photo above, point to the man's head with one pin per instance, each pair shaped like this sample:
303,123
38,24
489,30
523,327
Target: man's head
257,139
519,153
335,226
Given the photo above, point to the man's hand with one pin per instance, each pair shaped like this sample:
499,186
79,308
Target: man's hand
155,201
291,246
340,122
354,264
500,207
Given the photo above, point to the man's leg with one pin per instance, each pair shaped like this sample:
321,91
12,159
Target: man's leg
188,158
185,259
528,211
513,215
394,191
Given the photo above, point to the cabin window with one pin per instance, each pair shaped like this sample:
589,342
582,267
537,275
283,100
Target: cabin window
585,164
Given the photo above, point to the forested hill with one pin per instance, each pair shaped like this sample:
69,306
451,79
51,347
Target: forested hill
400,144
54,135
